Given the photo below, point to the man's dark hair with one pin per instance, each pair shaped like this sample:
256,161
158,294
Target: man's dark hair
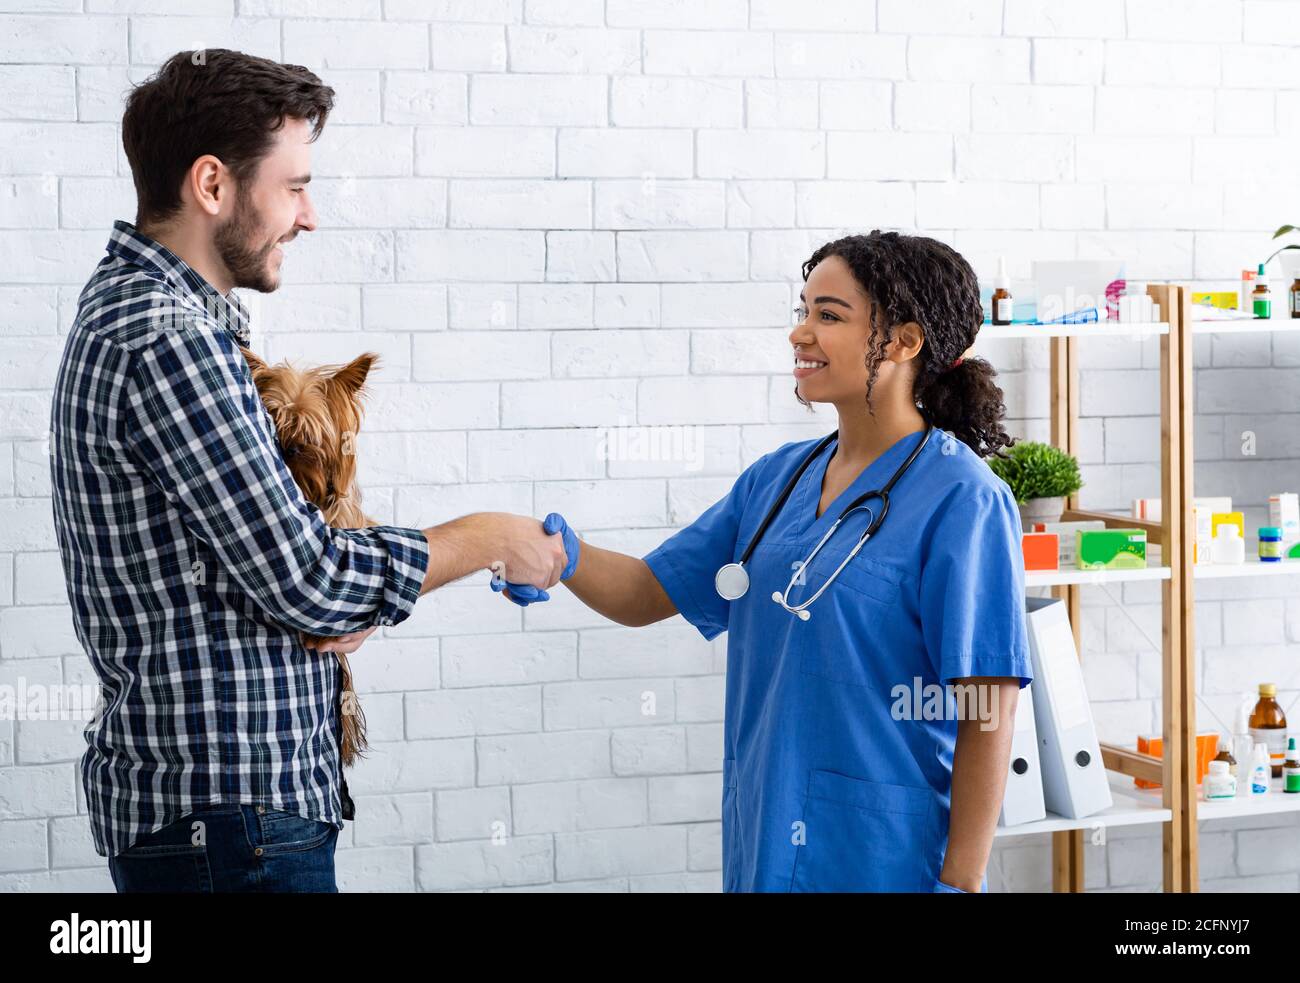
218,102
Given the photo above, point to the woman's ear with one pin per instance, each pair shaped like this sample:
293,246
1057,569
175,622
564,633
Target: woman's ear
908,339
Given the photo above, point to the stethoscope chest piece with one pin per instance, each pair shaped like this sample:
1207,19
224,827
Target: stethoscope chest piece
732,581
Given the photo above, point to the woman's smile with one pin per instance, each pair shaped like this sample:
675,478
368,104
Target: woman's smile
804,367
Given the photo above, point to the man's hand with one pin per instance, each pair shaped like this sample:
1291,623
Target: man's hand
514,547
526,594
529,554
346,644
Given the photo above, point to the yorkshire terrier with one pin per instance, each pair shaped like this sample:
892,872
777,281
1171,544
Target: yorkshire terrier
317,413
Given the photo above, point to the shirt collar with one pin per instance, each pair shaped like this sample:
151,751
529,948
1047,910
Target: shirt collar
131,246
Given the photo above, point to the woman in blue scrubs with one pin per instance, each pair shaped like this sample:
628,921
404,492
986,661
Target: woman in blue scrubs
855,758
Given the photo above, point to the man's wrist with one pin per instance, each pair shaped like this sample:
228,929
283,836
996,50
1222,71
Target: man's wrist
460,547
487,544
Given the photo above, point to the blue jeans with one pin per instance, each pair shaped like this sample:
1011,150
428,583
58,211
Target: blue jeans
231,848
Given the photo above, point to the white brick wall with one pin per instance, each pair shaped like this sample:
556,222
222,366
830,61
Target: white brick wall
606,203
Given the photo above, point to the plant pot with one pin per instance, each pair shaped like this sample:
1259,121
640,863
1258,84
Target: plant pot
1289,261
1041,510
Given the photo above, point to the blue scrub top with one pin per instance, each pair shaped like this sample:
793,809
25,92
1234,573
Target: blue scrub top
837,760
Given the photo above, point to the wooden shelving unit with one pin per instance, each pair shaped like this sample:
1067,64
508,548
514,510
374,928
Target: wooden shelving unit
1172,804
1276,801
1175,804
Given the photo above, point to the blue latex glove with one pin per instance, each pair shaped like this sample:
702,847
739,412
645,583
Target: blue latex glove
521,594
554,523
526,594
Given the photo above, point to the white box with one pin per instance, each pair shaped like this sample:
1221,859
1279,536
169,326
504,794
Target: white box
1284,512
1203,509
1066,540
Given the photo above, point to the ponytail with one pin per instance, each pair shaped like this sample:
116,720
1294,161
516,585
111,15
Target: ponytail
966,402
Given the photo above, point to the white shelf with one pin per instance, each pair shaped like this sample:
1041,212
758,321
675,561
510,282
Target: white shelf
1280,321
1094,329
1058,578
1248,805
1251,568
1131,807
1274,802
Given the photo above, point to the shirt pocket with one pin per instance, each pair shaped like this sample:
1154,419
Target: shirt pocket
847,637
861,835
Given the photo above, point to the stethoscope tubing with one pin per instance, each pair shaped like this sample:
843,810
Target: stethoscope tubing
782,598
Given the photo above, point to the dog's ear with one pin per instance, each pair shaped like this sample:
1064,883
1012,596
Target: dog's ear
254,363
352,376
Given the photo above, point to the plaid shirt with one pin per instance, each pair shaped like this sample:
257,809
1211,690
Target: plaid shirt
193,560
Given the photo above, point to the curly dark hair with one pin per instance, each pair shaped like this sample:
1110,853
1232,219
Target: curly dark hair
915,278
218,102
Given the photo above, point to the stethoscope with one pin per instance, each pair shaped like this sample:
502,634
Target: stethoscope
732,580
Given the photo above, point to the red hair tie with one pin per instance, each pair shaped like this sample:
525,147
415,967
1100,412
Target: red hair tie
955,363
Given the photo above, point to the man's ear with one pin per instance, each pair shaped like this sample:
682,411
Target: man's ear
908,339
254,363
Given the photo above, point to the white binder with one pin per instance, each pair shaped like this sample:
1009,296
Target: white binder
1023,800
1074,780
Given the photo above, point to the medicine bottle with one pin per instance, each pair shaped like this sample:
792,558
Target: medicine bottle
1270,544
1295,298
1003,304
1291,768
1225,755
1268,727
1218,783
1261,299
1259,771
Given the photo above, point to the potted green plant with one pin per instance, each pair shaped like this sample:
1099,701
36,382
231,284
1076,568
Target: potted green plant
1040,476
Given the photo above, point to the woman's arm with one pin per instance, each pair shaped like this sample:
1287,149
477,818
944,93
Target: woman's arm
619,587
979,778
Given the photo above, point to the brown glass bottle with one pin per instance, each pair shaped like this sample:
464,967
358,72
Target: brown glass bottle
1268,726
1226,755
1295,298
1003,305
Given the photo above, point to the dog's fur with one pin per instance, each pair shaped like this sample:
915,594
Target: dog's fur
317,414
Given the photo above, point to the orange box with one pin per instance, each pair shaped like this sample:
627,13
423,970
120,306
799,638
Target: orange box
1041,550
1207,749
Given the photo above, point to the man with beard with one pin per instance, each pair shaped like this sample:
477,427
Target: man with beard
193,563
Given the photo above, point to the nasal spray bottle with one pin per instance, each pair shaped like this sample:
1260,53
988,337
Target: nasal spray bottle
1261,772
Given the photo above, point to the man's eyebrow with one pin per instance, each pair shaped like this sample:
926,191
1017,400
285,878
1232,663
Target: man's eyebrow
305,179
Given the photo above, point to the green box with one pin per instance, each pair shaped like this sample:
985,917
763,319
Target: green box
1111,549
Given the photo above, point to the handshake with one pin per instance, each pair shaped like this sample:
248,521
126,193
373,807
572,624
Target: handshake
525,594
